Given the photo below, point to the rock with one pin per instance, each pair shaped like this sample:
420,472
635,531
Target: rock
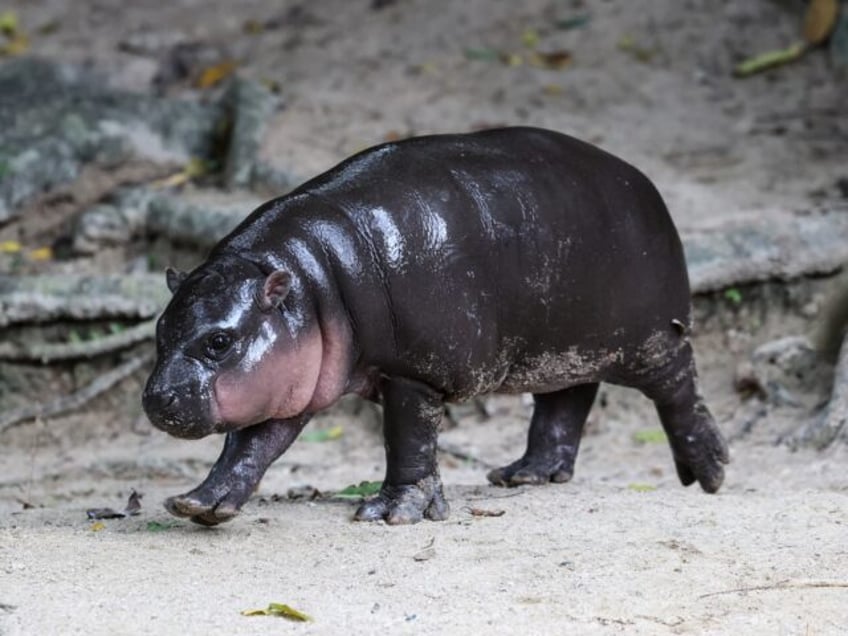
786,372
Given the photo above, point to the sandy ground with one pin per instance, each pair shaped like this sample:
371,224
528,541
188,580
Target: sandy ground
620,549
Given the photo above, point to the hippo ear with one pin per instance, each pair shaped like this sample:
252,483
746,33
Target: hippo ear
174,278
275,289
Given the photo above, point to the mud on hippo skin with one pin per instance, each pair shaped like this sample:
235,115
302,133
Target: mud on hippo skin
430,270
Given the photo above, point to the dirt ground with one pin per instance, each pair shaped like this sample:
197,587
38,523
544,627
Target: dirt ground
622,548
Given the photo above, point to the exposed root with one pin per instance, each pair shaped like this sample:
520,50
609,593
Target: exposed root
76,399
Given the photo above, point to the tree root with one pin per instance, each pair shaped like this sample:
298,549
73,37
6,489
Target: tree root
75,400
42,299
51,352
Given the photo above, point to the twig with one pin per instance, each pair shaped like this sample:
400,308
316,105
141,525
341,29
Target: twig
49,352
461,455
780,585
76,399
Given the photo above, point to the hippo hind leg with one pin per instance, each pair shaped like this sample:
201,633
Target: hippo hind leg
553,439
697,445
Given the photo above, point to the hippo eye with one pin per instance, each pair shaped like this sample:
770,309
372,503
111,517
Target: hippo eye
218,344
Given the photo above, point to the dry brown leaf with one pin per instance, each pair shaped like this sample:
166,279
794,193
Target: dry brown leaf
214,75
820,20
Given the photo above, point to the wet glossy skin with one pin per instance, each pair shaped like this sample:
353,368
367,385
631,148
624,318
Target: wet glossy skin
436,269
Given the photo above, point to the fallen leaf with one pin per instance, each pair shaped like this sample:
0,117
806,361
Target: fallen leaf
641,487
8,23
484,54
158,526
627,44
133,504
104,513
10,247
322,434
17,44
303,492
650,436
132,508
364,489
214,75
512,59
279,609
97,526
554,60
41,254
820,20
576,22
482,512
770,59
733,295
196,167
530,38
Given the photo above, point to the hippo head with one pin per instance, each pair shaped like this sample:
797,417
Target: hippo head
232,350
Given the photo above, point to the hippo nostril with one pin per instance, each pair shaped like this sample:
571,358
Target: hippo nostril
158,401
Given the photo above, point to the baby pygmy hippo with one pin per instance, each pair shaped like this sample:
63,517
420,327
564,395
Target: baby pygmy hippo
432,270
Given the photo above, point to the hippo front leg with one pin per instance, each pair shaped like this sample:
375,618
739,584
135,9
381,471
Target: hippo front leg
412,488
246,456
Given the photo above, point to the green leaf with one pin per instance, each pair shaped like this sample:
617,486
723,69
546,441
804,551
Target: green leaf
158,526
770,59
573,23
8,23
485,54
733,295
364,489
641,487
322,434
650,436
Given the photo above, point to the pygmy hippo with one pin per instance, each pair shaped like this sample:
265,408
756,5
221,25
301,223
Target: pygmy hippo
430,270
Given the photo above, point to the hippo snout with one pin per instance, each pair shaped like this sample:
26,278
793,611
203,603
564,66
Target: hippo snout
168,409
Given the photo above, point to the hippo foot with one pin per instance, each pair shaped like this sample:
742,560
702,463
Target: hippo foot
532,470
406,504
205,507
701,456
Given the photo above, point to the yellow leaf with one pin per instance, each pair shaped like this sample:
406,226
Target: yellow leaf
213,75
194,168
820,20
10,247
41,254
97,526
279,609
